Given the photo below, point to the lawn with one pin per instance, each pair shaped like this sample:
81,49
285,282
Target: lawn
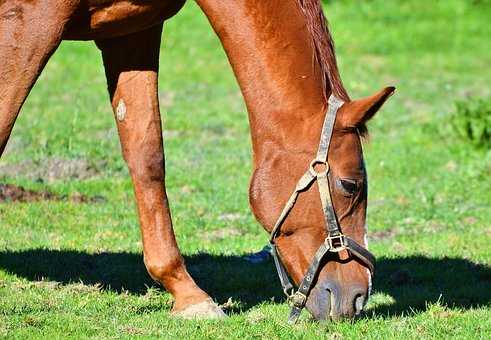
71,269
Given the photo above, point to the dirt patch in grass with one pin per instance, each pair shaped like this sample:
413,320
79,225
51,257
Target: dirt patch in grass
230,217
382,234
224,233
53,169
166,99
14,193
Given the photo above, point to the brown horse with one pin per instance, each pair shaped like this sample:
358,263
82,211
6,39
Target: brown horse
283,57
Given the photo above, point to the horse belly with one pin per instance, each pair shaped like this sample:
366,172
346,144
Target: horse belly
103,19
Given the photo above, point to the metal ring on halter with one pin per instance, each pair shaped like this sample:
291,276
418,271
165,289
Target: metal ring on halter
298,299
316,173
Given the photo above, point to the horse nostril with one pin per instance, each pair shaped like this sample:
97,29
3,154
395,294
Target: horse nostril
319,303
359,303
330,303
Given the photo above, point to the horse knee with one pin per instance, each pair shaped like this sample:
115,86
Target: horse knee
146,167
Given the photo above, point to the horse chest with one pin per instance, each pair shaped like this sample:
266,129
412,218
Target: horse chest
102,19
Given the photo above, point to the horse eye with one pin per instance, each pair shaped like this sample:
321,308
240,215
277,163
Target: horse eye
347,185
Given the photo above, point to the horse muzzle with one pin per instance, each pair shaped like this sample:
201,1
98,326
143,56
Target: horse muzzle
328,301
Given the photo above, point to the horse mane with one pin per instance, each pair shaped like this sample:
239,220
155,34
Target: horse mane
324,48
325,53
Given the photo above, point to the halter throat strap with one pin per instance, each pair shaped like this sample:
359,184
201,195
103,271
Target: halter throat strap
335,241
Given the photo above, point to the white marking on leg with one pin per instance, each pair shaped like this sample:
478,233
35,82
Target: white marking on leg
121,110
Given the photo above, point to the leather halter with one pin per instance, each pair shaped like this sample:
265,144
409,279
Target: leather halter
335,241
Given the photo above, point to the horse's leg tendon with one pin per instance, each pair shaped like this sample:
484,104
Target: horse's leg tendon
131,64
29,33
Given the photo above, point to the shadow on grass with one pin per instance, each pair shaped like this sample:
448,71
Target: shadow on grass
413,282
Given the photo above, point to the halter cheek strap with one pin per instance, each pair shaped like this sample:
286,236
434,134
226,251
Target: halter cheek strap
335,241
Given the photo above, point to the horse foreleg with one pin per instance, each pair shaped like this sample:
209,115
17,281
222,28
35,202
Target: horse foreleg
29,33
131,64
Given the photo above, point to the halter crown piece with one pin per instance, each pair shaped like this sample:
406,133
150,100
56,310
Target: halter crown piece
335,241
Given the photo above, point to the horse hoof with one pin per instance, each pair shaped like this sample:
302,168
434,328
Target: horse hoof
203,310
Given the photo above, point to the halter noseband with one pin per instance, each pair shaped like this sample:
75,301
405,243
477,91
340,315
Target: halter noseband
335,241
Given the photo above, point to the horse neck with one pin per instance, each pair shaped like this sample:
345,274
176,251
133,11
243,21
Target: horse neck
271,52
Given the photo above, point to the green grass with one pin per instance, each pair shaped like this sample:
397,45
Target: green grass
76,269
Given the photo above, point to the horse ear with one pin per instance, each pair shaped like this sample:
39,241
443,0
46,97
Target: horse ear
357,112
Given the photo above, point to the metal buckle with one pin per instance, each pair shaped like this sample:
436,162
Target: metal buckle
336,243
298,299
320,162
289,292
